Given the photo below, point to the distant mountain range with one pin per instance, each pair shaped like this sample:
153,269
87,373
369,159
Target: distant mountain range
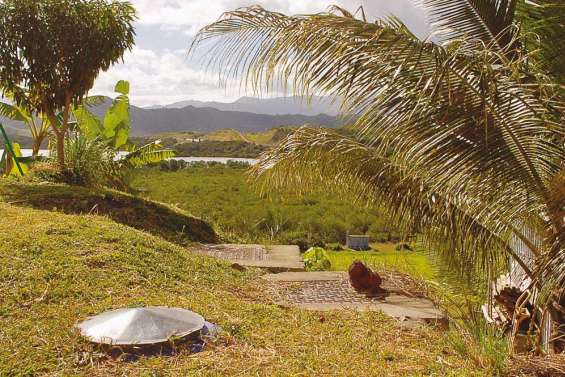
205,119
271,106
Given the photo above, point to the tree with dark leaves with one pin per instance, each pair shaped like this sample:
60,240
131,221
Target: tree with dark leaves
51,51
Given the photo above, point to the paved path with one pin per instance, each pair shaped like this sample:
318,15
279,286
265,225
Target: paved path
332,291
325,290
275,258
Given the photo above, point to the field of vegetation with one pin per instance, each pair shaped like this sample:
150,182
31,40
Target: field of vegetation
223,195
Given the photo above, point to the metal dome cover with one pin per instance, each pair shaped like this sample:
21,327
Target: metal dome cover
139,326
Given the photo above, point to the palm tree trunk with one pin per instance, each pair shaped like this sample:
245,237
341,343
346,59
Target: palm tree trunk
60,137
36,147
60,134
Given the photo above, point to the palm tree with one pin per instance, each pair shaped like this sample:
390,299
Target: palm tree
459,136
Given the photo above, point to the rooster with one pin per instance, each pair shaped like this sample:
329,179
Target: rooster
363,280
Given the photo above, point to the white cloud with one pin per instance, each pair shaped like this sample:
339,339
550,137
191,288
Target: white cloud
164,76
159,70
193,14
159,78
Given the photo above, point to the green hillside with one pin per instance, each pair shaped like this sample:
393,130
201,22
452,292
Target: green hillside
225,135
271,136
220,143
168,222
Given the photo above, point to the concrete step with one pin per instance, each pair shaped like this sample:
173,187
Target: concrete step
306,276
274,258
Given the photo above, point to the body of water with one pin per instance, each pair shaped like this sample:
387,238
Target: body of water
27,152
223,160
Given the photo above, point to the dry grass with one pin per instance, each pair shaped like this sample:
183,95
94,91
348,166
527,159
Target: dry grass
548,366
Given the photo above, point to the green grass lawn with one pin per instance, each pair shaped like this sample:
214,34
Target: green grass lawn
414,263
58,269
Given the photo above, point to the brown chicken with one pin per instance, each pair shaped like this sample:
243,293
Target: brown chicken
363,280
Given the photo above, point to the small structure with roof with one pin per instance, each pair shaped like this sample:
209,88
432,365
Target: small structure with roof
357,242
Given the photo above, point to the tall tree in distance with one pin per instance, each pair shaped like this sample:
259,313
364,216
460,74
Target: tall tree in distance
55,49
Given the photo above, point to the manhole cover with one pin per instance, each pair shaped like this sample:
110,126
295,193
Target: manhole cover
139,326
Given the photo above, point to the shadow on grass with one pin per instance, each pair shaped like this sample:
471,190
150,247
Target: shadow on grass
169,223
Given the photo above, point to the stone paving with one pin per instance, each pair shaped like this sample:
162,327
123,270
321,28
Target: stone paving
325,290
274,258
332,291
234,252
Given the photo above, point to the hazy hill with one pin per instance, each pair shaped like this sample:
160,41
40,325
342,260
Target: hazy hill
207,119
270,106
204,120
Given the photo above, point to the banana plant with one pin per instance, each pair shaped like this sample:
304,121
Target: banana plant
14,165
148,154
114,129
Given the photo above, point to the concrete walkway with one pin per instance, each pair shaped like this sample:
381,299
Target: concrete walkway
324,291
274,258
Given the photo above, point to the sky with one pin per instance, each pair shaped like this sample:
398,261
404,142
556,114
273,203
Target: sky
160,70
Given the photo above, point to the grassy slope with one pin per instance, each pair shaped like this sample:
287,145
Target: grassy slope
57,269
271,136
170,223
225,135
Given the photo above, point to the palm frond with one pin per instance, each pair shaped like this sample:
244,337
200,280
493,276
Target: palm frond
487,20
467,234
94,100
148,154
312,53
544,23
398,84
462,122
14,112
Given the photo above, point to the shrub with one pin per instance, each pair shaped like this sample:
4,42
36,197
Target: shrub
316,259
237,164
298,238
90,163
46,171
335,247
381,237
471,337
173,165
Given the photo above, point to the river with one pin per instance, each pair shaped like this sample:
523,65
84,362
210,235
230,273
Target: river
223,160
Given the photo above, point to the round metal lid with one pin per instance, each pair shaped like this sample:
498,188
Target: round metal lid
138,326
